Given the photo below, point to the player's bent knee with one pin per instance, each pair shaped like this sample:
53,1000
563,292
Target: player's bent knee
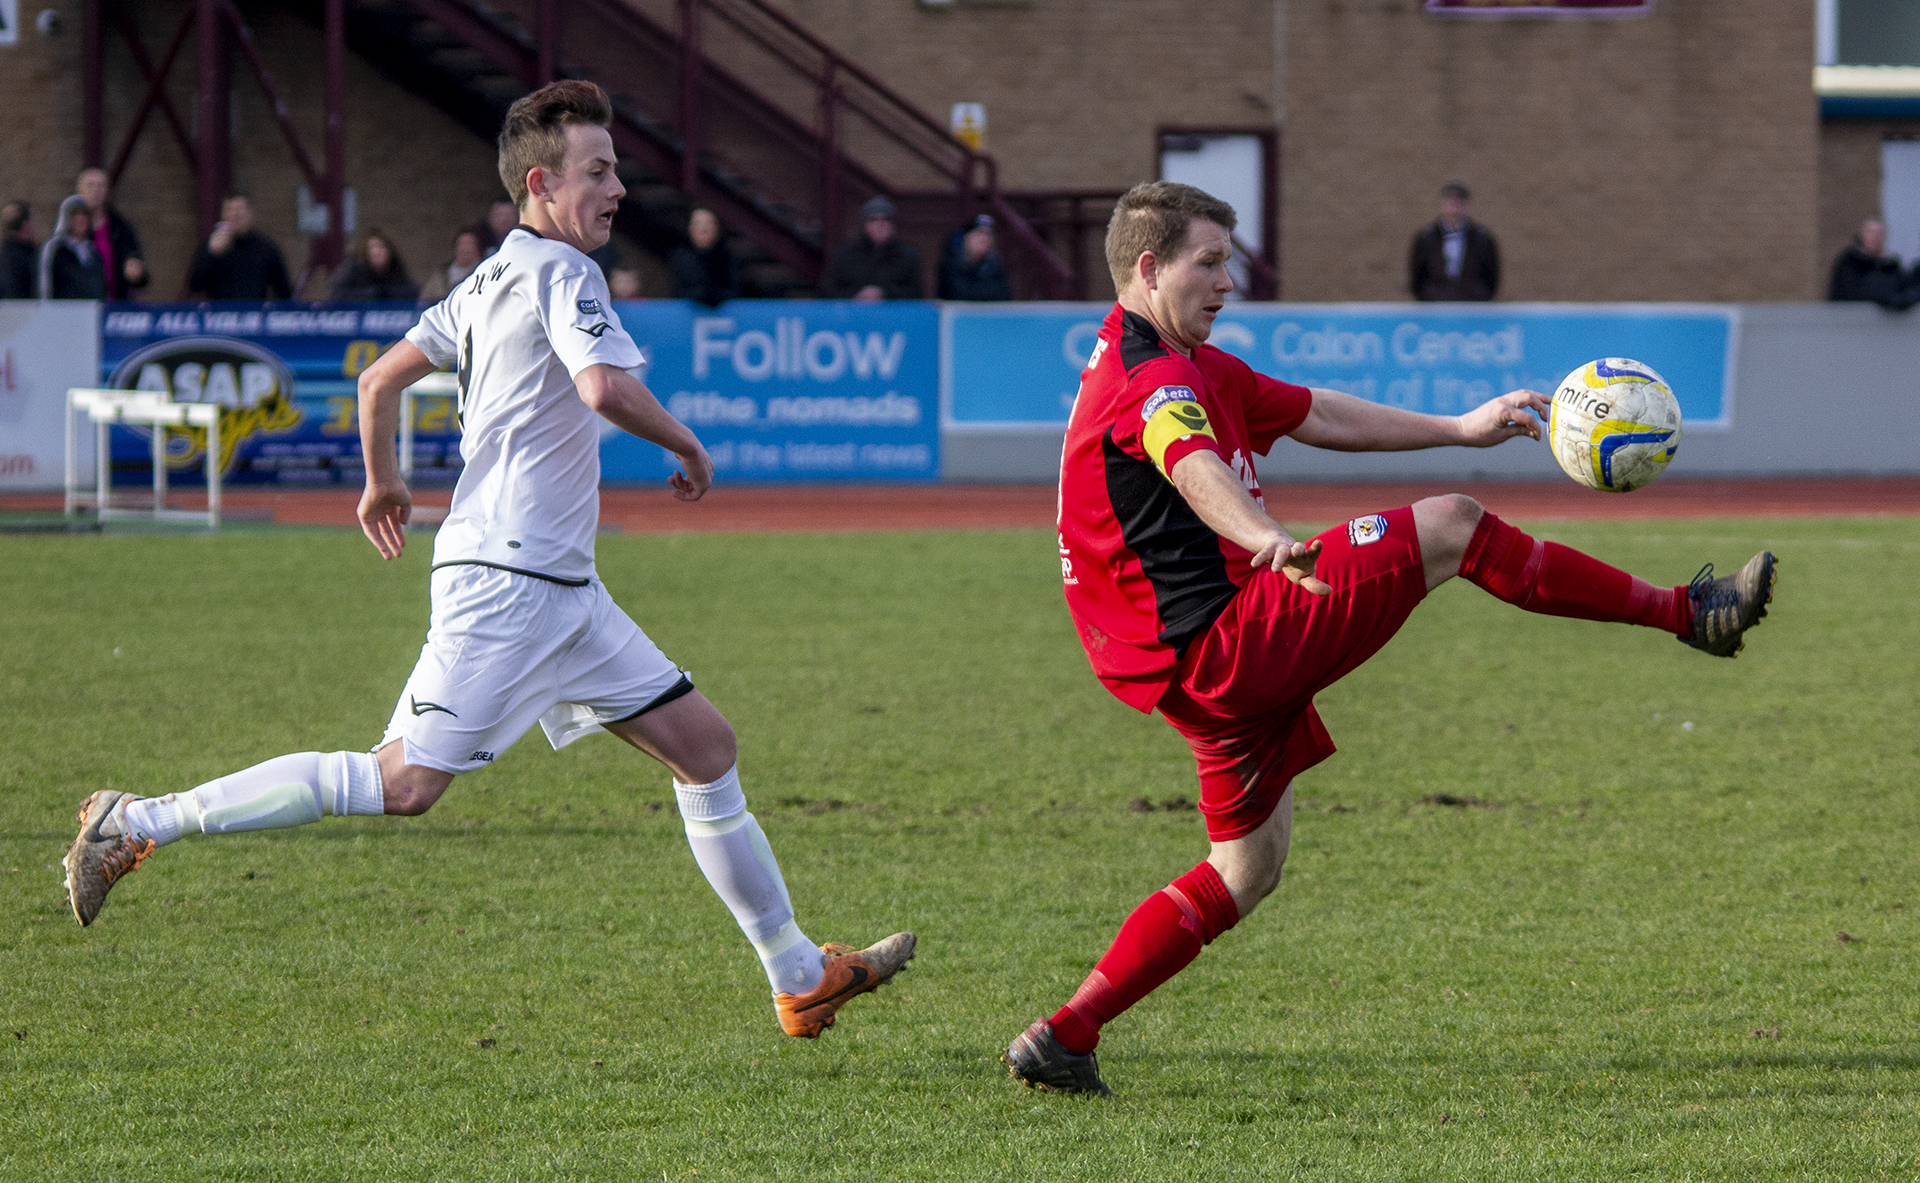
1445,525
412,790
1450,515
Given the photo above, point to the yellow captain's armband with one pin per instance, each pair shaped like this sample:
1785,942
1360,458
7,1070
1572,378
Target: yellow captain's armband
1172,413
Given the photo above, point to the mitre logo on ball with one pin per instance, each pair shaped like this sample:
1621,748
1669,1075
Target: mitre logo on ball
1615,425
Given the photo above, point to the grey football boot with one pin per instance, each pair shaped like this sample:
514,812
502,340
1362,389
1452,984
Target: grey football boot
1725,608
1038,1060
102,853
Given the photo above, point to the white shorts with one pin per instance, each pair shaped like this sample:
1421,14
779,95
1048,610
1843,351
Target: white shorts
504,651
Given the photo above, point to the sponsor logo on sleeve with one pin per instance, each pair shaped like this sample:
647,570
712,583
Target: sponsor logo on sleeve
1165,395
594,331
1172,414
589,307
1361,531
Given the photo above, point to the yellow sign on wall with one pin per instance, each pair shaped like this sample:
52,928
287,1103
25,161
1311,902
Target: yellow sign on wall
970,125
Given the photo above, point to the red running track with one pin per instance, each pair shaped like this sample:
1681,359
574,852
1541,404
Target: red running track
963,507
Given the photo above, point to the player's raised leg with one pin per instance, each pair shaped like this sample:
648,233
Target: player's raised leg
118,831
1459,537
810,982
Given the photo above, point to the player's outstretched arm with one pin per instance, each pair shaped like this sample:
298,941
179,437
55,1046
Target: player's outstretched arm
1224,504
624,401
1344,423
386,505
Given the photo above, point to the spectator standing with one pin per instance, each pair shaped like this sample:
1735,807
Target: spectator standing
877,265
501,220
376,272
703,270
113,236
70,265
607,258
467,252
623,283
19,253
1455,258
236,262
971,268
1866,270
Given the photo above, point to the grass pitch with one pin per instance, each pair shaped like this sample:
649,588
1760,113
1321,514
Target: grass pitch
1670,933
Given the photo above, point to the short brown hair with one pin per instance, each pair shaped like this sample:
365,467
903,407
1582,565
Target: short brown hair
535,132
1154,216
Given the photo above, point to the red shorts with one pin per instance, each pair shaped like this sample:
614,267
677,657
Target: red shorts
1243,695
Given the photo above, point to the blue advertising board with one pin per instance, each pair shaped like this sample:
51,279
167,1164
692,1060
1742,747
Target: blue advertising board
286,376
1019,365
790,390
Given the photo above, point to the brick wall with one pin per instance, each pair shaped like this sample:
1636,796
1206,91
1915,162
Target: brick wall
1676,156
1074,89
419,174
1669,157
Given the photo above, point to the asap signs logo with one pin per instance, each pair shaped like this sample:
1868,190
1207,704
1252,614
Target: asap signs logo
251,385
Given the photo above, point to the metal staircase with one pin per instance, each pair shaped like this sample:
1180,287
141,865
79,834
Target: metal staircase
725,103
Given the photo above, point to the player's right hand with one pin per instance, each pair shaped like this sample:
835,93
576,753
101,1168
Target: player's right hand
1294,560
384,512
695,476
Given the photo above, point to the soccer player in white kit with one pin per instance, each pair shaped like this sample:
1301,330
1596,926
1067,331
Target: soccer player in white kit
522,630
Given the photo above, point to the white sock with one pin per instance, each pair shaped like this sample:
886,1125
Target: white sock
282,792
734,856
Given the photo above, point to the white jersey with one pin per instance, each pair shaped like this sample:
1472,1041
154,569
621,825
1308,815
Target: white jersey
528,319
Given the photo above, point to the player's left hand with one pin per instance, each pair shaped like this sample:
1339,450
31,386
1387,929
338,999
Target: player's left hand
1295,560
695,476
1499,420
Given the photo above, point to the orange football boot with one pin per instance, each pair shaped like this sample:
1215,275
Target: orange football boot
849,972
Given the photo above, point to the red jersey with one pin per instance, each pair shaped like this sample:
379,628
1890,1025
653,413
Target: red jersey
1144,575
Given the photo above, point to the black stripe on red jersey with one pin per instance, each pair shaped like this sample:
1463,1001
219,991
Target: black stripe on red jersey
1139,341
1179,554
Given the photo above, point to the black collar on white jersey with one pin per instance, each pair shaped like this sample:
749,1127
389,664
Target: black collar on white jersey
529,230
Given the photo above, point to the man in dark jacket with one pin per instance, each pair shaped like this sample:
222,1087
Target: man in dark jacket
1867,271
235,263
19,253
875,266
972,269
703,269
1455,258
113,236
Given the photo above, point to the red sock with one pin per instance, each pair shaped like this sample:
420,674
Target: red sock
1558,580
1160,939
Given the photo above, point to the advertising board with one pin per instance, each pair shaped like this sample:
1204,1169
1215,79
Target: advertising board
778,391
285,376
1019,365
45,349
790,390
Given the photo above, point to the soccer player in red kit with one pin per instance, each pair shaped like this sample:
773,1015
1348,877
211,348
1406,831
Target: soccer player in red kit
1191,600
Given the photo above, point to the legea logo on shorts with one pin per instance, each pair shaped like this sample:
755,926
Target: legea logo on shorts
1165,395
1361,531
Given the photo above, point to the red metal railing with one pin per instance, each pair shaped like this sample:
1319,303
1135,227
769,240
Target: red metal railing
740,107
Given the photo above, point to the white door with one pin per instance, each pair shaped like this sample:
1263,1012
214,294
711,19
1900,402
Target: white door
1231,167
1900,196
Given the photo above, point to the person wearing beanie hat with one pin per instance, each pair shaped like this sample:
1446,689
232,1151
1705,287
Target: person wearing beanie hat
971,269
877,265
